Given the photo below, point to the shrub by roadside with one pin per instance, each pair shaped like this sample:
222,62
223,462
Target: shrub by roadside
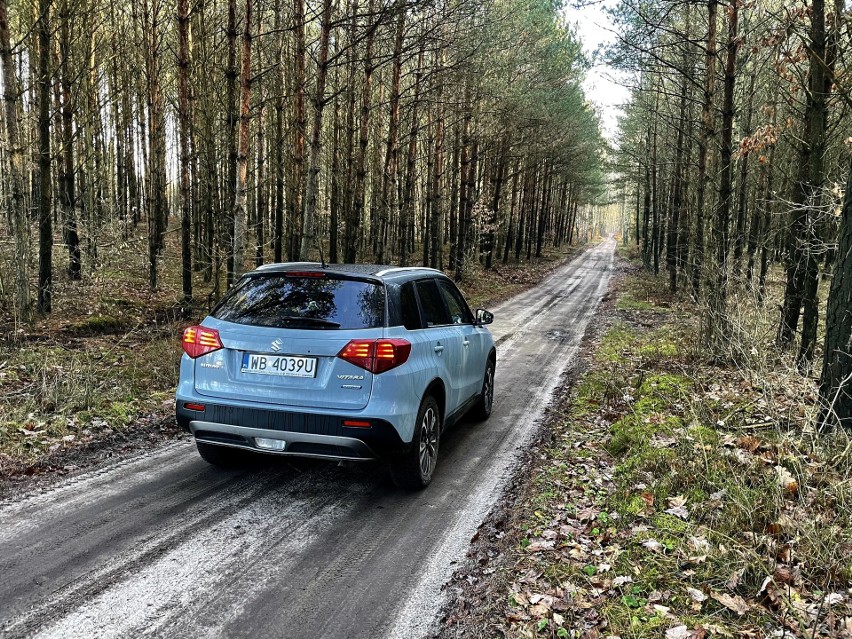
669,498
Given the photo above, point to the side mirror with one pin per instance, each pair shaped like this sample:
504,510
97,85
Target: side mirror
483,317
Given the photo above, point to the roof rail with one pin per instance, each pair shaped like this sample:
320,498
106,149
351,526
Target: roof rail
397,269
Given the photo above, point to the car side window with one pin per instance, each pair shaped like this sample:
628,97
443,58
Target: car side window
434,311
459,313
408,307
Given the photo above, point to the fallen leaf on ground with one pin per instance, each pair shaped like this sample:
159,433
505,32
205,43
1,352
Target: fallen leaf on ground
679,632
731,602
786,480
696,595
653,545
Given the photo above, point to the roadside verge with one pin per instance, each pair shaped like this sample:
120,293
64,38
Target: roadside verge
665,496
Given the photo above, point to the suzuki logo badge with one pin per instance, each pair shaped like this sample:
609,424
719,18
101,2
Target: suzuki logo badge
276,345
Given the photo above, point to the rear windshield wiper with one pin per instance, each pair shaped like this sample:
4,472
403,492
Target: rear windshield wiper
316,321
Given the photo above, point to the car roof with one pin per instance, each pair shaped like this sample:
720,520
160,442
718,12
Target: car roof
382,271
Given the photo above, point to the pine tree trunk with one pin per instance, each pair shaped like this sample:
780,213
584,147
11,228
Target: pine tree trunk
357,212
260,185
67,169
45,218
184,120
336,197
156,192
407,209
278,147
742,186
495,205
674,238
835,388
387,203
823,54
16,202
718,326
231,140
438,199
646,209
309,219
297,179
241,190
655,196
704,145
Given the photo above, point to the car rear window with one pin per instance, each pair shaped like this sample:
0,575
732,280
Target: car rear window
326,302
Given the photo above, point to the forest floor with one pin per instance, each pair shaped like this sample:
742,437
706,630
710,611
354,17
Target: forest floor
667,495
95,379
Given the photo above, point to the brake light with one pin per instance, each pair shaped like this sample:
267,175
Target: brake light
376,355
199,340
304,274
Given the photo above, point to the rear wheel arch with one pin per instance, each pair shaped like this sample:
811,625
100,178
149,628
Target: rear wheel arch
438,392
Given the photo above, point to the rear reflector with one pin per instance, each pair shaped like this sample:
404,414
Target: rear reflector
376,355
198,407
356,424
199,340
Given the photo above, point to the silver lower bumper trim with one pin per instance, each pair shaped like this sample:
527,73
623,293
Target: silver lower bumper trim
243,437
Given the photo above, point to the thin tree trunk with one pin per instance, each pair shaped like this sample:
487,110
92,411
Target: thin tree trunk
357,212
718,326
16,203
835,387
438,200
704,145
45,220
260,186
407,208
674,238
742,187
296,202
241,190
278,149
184,118
823,54
156,195
390,173
310,213
231,140
67,169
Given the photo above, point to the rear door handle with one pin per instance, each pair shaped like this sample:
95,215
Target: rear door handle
439,348
466,343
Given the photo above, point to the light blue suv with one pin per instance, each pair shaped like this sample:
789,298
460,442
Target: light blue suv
351,362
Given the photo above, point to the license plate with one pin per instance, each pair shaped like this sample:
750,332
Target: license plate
287,365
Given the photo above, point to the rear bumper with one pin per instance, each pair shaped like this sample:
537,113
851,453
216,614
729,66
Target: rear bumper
303,434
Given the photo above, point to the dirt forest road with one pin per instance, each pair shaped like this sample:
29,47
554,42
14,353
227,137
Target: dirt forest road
164,545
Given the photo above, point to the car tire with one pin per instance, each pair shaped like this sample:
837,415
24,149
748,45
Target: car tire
482,409
415,468
222,456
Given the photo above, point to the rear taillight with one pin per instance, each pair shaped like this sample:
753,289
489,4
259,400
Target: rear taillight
376,355
198,341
